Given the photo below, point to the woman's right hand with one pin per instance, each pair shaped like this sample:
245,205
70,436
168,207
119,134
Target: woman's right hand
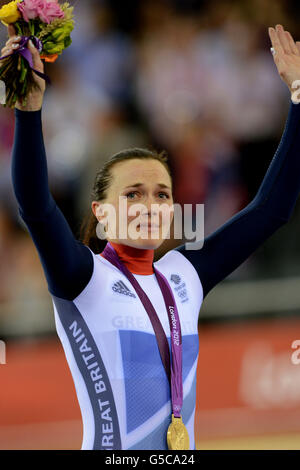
35,98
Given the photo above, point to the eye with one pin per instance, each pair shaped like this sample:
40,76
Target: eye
135,192
131,192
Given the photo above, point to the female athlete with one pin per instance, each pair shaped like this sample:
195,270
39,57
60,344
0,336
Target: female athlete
118,354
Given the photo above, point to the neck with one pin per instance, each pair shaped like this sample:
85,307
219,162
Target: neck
137,260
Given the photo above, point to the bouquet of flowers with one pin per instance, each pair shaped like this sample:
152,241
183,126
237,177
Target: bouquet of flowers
48,24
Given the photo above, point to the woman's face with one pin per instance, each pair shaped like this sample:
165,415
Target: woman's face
139,188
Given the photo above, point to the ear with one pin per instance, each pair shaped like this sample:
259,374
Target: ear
96,208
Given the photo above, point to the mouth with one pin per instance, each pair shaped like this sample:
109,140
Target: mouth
155,226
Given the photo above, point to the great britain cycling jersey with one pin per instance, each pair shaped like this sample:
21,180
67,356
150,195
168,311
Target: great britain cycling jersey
108,340
111,348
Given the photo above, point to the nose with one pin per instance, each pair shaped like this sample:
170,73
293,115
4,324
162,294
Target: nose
150,210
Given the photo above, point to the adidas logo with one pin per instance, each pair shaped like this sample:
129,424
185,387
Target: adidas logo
122,289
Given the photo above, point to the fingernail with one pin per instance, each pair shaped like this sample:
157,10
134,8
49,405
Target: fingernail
31,43
15,46
18,37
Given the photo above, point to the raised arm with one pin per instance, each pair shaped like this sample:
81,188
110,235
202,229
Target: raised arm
67,263
230,245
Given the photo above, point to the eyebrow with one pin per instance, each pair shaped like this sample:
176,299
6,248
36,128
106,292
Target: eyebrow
136,185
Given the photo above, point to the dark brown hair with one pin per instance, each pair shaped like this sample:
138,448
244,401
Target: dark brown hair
102,182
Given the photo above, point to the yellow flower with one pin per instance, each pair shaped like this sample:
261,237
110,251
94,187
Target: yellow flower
9,13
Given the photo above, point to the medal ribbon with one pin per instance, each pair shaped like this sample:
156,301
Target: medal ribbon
175,378
25,52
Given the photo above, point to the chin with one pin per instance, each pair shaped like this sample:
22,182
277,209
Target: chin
146,244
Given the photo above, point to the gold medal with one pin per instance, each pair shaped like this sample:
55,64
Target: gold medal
177,435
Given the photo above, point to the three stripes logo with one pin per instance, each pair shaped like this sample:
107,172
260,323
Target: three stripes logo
120,287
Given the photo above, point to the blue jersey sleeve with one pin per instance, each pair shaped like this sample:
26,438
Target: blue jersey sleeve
67,262
231,244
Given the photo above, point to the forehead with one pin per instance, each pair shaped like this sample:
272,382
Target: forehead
140,171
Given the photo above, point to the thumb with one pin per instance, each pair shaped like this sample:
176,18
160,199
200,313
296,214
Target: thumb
37,62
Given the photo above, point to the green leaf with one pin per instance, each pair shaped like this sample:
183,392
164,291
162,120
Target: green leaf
24,88
18,28
15,97
31,27
68,41
24,70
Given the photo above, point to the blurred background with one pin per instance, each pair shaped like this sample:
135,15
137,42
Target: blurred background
195,78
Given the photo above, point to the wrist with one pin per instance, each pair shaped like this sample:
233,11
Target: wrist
30,107
33,104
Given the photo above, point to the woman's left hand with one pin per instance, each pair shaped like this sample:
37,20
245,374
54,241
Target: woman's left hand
286,56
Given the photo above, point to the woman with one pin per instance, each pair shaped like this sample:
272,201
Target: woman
105,303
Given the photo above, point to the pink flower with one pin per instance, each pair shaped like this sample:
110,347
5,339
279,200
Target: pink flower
46,10
30,8
52,11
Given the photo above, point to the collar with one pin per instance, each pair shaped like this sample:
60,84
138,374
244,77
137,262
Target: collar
137,260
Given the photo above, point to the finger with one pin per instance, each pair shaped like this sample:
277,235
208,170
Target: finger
13,40
283,39
275,41
292,43
12,44
298,45
6,51
292,47
11,30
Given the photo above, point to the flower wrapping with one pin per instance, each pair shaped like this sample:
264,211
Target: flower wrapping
48,24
